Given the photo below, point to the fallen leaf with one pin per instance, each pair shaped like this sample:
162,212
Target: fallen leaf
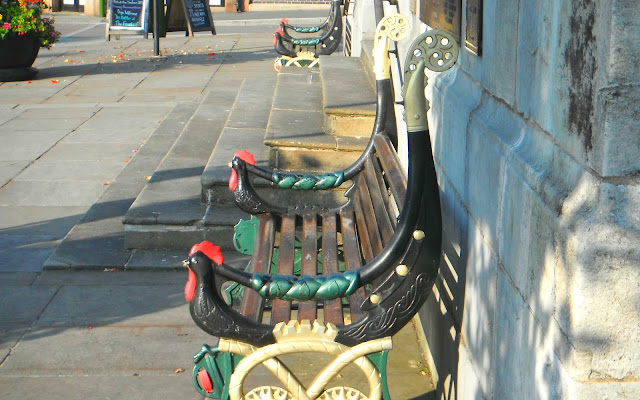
125,160
54,81
134,150
178,370
147,177
211,53
136,375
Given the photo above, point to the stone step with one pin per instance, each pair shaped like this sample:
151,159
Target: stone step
349,97
169,212
101,232
296,132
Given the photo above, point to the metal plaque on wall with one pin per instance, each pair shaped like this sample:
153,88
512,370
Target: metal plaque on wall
473,37
442,14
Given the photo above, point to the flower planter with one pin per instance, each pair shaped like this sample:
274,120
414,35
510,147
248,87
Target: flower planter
17,55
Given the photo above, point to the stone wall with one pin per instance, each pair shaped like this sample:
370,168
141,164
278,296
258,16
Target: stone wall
537,144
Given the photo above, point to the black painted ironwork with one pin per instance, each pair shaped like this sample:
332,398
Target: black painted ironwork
326,39
399,277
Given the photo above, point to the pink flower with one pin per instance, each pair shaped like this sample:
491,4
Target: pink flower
6,25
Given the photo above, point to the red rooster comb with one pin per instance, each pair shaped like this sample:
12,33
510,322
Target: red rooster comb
246,157
210,250
285,21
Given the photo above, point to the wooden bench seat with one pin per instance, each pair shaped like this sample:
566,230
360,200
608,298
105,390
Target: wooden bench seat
331,241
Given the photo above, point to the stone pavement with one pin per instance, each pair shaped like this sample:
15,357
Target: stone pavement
120,328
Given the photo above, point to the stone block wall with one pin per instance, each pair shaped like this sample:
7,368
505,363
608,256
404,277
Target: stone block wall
537,145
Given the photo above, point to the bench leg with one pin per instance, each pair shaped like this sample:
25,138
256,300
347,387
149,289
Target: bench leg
380,361
302,337
212,372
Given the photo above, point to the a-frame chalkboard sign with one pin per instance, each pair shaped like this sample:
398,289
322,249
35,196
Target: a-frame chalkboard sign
128,16
190,16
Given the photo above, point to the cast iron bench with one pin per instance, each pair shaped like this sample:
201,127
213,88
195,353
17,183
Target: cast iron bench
325,42
366,266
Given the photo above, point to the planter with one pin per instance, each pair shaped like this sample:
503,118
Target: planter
17,55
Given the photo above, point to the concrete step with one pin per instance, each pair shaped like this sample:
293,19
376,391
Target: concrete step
297,132
170,210
100,233
349,97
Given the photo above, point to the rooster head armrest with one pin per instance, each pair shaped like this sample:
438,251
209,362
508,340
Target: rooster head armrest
239,158
200,265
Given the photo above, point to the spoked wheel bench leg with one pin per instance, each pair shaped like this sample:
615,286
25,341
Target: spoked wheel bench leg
221,372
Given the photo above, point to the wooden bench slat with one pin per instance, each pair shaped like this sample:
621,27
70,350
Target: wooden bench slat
361,228
332,308
367,216
389,200
309,263
252,304
352,259
281,309
377,194
395,176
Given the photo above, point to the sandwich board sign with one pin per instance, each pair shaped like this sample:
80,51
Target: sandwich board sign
128,16
189,15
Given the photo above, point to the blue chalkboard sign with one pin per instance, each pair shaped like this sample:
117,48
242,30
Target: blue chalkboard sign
190,15
131,15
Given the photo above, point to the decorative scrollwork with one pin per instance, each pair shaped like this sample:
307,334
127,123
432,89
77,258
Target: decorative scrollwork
305,288
308,182
268,393
404,308
394,26
438,48
342,393
305,42
301,29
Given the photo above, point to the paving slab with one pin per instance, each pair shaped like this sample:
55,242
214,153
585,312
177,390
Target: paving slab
110,277
134,386
84,152
92,244
50,220
44,193
8,111
139,305
9,169
298,90
29,300
108,350
27,146
26,257
17,278
71,170
253,105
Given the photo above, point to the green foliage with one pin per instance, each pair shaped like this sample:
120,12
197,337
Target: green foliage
24,17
